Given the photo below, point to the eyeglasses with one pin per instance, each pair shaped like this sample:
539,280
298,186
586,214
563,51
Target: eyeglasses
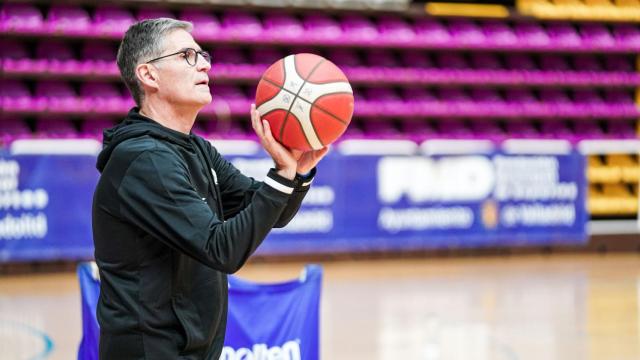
190,55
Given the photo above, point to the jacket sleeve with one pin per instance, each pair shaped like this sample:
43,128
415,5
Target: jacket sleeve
237,190
157,196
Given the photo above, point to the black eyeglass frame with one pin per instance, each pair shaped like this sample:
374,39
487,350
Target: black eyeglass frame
205,55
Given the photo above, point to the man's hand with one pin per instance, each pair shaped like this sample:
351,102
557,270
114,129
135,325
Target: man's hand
307,160
284,160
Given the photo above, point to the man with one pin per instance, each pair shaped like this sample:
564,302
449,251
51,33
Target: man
171,217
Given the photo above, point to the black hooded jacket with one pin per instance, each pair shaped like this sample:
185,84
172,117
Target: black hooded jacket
171,218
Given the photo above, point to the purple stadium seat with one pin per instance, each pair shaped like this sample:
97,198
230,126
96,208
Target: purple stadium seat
451,60
239,24
93,128
588,129
357,28
531,34
627,35
385,101
22,18
458,102
429,30
16,58
60,57
231,60
486,61
586,63
487,129
154,13
417,130
416,59
349,61
557,101
489,101
465,31
618,97
68,20
17,97
518,61
621,101
380,129
205,25
395,30
100,58
421,101
226,129
13,128
265,56
354,131
556,128
228,55
102,97
596,35
231,98
55,127
621,129
112,21
554,62
59,96
321,27
523,100
499,33
344,57
614,62
381,58
521,129
589,101
282,26
563,34
454,129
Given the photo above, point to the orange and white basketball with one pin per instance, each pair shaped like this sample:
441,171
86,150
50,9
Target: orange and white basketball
307,100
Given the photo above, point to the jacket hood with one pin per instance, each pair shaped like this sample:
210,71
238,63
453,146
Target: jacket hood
133,126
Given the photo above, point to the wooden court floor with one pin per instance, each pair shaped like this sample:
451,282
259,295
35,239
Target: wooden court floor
515,307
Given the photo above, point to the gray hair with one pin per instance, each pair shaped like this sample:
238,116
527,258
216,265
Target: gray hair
142,42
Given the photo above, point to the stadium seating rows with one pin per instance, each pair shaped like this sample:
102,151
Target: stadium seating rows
314,28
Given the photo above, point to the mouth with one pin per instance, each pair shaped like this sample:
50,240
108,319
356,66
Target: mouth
203,82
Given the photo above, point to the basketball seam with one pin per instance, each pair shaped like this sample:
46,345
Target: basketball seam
296,96
327,111
305,80
286,116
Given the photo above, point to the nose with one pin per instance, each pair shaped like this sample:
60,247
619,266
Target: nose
203,65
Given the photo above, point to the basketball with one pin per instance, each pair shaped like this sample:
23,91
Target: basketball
307,101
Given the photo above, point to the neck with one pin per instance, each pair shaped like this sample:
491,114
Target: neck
175,118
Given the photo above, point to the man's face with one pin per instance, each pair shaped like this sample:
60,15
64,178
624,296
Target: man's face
180,83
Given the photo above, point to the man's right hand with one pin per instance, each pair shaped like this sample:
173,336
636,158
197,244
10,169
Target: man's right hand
285,161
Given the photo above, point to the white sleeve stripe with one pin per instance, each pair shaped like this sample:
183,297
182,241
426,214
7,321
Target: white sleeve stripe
307,183
278,186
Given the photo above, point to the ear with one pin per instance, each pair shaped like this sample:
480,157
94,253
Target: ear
148,75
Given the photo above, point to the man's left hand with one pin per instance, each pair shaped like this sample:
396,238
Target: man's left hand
307,160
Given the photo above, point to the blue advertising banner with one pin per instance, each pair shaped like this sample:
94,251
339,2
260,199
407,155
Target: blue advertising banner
372,203
356,203
45,207
265,321
274,321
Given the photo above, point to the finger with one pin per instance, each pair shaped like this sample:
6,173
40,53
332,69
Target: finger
267,131
257,125
324,151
